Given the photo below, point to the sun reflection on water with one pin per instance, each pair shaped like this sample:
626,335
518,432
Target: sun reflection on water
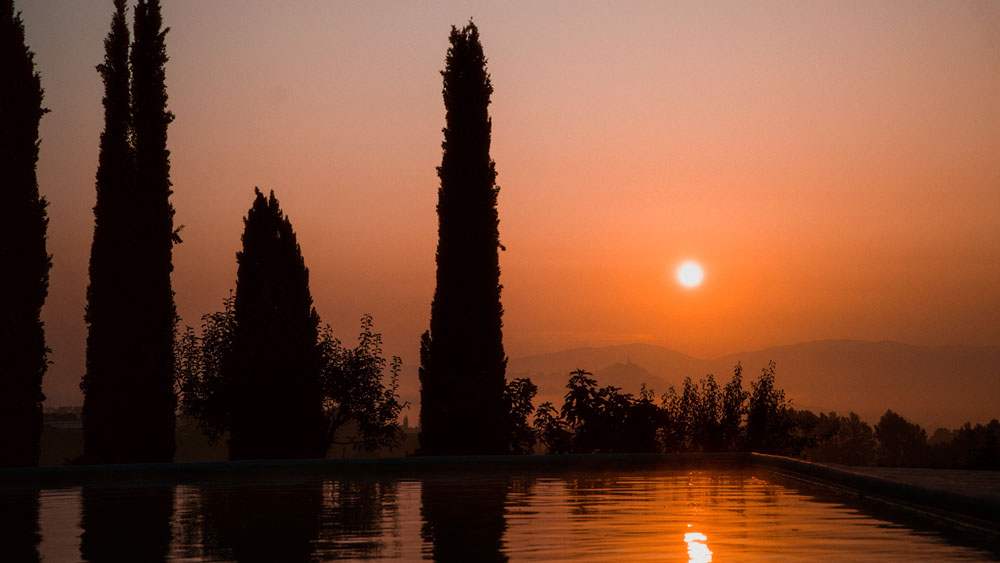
698,551
635,516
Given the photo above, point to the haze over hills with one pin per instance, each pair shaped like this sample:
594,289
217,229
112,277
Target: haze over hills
932,385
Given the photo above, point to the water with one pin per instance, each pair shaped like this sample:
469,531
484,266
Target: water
665,514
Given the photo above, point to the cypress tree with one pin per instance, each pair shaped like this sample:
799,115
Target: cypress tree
277,405
108,397
462,357
24,259
129,392
154,235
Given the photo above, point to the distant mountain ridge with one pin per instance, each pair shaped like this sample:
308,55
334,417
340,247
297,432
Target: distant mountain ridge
932,385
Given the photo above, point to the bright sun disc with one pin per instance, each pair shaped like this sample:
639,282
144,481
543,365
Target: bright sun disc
690,274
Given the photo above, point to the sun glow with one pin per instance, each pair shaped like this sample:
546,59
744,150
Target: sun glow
690,274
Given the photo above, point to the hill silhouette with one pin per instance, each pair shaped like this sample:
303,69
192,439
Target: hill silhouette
935,386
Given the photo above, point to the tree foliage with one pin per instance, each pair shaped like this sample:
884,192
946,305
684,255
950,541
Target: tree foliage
603,420
107,381
154,232
357,390
275,400
24,260
901,442
969,447
518,396
552,430
359,395
462,369
846,440
201,371
768,418
703,417
733,411
700,417
263,370
129,401
895,442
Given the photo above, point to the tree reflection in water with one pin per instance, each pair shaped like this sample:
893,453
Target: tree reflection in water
472,515
255,522
305,521
354,517
126,524
465,520
19,533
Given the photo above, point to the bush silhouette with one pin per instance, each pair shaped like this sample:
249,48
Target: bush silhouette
358,391
518,396
599,420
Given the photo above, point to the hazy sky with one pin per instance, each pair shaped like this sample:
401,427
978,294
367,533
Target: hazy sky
833,165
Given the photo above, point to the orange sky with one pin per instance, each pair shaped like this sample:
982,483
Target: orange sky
833,165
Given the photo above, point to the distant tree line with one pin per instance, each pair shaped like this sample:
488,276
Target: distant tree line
700,417
896,442
704,417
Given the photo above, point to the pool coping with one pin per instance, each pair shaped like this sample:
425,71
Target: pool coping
977,513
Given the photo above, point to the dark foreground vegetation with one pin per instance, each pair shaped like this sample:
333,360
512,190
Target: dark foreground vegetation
707,417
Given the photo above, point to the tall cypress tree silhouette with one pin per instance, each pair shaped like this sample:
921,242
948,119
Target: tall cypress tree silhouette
106,384
129,396
277,409
24,260
154,235
462,357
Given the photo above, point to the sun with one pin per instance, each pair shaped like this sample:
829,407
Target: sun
690,274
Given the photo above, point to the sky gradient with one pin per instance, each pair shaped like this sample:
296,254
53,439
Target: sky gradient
832,165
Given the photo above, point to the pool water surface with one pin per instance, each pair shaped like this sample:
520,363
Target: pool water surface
721,514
